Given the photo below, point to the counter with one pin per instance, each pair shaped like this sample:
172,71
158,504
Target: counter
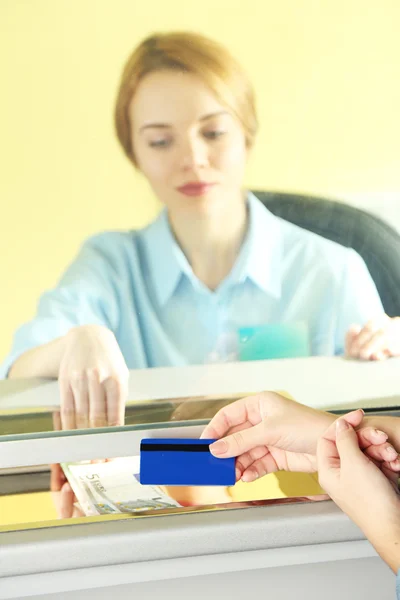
309,550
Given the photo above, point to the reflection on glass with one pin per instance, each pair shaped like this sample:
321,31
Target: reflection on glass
111,487
45,509
17,422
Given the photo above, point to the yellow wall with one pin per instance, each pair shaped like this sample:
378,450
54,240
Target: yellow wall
326,74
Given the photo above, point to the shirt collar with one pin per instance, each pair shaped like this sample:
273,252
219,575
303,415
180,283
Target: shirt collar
259,258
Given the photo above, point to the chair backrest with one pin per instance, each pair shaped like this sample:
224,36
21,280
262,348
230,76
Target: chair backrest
375,241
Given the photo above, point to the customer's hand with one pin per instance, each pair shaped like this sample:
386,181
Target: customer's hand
268,433
366,490
93,379
377,340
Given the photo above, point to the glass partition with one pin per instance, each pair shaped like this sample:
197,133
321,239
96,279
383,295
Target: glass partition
169,248
50,478
95,475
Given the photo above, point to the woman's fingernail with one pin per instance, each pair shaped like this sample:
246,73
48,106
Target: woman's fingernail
392,452
249,476
381,433
219,447
341,425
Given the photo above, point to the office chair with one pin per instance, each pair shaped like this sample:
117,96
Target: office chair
375,241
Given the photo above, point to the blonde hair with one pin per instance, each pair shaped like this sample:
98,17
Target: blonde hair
191,53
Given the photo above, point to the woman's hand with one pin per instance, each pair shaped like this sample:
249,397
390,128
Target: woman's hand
379,339
64,498
269,433
366,490
93,379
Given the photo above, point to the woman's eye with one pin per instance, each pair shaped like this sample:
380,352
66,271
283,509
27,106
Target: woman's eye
160,143
214,134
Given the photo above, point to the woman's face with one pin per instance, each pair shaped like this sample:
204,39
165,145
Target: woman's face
188,146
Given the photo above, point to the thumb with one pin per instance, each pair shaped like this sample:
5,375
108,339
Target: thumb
347,442
354,330
354,418
239,442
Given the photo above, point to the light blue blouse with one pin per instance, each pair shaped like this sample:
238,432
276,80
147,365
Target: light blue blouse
141,286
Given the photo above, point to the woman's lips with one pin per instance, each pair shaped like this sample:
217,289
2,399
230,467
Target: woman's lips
195,188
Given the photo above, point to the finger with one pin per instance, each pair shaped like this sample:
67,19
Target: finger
116,393
259,468
382,355
371,328
67,402
327,455
392,475
354,418
368,436
352,333
57,426
248,458
67,499
327,452
227,417
57,478
377,343
239,442
382,452
97,400
393,465
80,388
362,338
347,444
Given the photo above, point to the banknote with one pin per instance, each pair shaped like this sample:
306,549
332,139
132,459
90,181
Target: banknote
113,487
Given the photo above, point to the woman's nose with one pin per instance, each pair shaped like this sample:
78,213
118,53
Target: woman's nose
194,155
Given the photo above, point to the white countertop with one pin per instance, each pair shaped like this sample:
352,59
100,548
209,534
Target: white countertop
137,541
327,383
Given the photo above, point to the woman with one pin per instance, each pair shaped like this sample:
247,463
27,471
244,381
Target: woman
358,465
215,263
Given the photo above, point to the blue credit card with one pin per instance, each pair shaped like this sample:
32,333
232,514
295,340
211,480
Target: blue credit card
183,462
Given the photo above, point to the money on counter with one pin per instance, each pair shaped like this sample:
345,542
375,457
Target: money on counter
113,487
